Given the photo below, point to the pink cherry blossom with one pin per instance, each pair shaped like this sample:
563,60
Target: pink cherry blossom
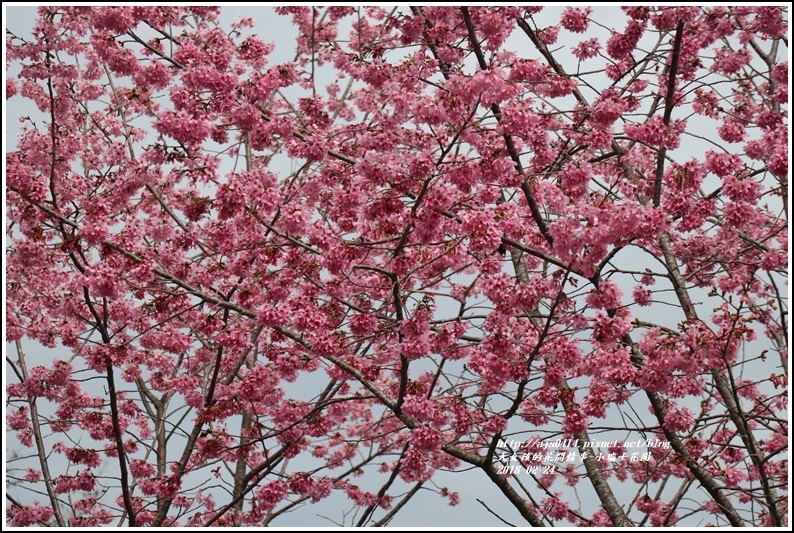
575,20
408,250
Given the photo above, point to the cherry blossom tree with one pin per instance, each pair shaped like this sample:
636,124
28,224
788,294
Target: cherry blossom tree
540,251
